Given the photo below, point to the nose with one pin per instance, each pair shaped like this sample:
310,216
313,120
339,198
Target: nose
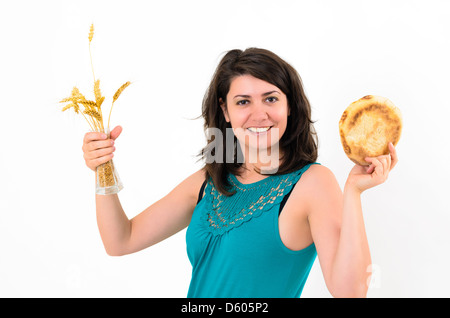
259,112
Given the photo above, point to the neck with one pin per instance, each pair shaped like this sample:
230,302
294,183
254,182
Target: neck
267,161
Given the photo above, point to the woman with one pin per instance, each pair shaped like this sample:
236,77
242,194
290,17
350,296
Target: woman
255,225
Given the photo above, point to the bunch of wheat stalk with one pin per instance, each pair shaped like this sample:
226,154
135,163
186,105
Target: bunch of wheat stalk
92,112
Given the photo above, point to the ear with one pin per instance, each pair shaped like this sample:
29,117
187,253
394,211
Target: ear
224,110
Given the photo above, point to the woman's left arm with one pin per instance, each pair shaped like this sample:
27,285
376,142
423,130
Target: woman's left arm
340,233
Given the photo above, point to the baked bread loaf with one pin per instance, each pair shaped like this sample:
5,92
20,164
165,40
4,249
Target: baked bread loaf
367,126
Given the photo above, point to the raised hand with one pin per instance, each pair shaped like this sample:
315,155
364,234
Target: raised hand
98,149
362,178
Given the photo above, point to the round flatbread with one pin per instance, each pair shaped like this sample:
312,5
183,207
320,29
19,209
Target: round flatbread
367,126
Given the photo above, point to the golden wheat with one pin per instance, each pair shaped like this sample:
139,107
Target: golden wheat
91,32
92,109
76,93
75,106
88,103
116,96
91,35
100,102
97,92
106,177
120,90
92,113
66,100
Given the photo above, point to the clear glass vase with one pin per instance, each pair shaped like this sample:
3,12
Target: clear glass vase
107,179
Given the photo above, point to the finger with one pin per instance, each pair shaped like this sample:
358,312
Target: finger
393,154
370,169
91,136
91,155
389,160
116,132
97,162
377,165
388,166
385,161
95,145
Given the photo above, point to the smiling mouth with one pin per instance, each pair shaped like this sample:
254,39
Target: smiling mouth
259,130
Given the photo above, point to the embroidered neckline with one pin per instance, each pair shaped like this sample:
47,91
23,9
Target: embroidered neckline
241,186
223,213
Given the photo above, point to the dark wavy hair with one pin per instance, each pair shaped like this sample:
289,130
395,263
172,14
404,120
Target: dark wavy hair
299,143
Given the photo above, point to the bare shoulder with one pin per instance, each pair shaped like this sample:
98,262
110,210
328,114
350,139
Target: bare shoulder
192,184
318,185
318,176
197,178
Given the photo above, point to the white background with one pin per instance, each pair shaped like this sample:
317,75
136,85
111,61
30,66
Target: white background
343,50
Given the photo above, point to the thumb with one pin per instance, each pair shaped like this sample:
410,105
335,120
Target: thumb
116,132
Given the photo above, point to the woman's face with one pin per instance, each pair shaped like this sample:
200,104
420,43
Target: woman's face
257,111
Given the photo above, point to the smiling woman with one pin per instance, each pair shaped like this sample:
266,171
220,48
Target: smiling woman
252,90
249,233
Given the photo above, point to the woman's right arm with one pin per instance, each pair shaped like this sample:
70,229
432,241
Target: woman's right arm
162,219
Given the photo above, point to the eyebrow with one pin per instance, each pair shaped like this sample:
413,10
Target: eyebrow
265,94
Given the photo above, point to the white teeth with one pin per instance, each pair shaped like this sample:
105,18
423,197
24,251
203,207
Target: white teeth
257,129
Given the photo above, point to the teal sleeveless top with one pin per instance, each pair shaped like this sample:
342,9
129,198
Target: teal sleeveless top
234,245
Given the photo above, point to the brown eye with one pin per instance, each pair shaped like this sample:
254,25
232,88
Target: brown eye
271,99
242,102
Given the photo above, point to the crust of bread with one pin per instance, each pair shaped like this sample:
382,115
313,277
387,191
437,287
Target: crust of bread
367,126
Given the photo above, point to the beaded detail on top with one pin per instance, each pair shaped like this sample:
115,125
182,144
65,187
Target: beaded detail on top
250,200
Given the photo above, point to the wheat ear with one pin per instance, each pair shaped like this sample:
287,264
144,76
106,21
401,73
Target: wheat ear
91,32
98,94
116,96
91,35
